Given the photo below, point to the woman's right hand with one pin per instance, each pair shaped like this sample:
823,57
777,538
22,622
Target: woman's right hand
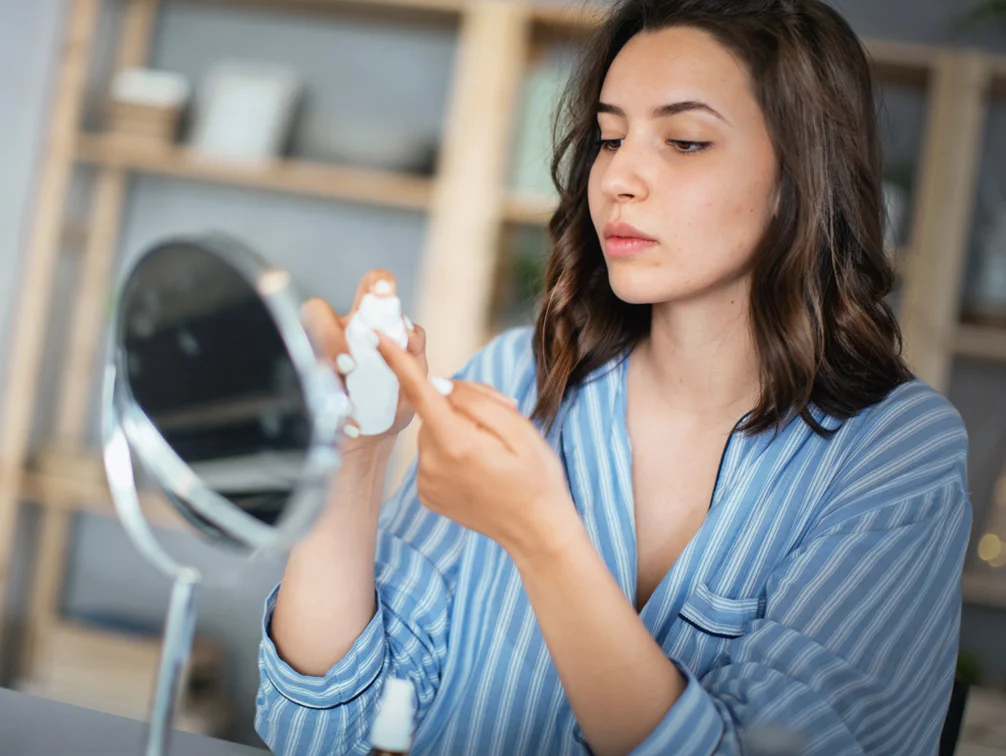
327,331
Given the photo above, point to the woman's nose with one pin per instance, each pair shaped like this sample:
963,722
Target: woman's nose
624,174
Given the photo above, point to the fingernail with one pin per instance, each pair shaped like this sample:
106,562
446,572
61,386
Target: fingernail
345,364
371,338
408,323
351,430
382,287
443,385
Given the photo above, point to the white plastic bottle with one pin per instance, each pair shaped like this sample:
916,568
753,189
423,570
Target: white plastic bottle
391,734
372,387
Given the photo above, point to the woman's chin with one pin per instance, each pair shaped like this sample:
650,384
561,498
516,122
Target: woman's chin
651,286
637,287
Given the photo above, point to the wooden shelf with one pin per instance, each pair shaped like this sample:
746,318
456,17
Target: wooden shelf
115,670
896,62
73,480
73,495
528,209
981,589
999,76
571,20
296,177
902,63
981,342
405,10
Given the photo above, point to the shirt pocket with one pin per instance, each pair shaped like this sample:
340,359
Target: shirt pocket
718,615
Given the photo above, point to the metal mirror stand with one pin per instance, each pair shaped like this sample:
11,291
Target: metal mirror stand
180,624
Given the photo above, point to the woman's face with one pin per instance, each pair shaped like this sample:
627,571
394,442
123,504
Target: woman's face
684,183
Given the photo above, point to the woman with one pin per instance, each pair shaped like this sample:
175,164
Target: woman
733,513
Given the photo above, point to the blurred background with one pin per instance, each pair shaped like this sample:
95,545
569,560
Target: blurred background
341,135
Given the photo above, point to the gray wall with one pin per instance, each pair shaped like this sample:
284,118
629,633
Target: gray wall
364,70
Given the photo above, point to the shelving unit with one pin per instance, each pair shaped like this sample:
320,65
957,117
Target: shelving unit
296,177
467,205
981,342
527,209
985,590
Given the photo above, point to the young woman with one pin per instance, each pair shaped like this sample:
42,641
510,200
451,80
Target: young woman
719,507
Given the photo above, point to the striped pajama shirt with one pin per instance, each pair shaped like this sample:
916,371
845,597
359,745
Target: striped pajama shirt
821,595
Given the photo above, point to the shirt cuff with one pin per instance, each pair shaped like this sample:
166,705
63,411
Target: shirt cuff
692,727
350,677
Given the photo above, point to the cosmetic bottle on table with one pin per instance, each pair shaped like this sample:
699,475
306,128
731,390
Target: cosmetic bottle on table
391,734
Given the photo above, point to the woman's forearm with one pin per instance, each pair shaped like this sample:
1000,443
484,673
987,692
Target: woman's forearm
618,680
326,598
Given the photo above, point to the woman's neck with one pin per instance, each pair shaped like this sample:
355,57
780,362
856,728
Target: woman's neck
700,357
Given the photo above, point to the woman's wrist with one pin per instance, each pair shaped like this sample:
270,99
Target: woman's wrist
548,539
359,480
367,449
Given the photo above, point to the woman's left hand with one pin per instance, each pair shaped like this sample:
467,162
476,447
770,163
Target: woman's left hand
483,464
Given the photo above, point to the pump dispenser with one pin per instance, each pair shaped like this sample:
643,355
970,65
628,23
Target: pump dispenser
391,734
372,387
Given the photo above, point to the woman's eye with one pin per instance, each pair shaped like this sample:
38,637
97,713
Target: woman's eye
609,144
687,148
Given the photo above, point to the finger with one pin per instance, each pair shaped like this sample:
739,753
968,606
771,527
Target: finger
491,392
351,428
417,341
489,412
377,281
345,364
324,329
429,404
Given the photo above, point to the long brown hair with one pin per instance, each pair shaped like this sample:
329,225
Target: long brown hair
823,331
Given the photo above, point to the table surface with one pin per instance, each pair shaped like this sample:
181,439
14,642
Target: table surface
31,726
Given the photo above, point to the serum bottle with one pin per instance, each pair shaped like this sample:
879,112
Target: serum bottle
372,387
391,734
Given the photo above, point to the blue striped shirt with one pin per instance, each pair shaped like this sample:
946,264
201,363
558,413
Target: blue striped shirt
821,595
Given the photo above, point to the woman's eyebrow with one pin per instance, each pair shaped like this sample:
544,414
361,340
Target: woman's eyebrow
664,111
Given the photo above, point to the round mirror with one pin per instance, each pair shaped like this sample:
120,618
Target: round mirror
219,393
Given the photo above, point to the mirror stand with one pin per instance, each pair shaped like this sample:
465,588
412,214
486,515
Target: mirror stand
179,629
180,622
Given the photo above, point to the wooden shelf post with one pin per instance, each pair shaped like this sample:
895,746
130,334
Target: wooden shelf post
456,279
943,209
83,351
40,258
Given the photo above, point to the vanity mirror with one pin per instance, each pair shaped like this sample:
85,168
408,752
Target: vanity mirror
213,389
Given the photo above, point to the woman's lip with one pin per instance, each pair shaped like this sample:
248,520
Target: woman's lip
624,230
626,246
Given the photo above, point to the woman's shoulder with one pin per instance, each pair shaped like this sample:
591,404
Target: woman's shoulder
506,363
914,437
912,413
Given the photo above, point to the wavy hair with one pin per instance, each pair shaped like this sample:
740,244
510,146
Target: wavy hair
823,331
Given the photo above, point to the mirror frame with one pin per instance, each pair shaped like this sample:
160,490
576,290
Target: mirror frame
325,401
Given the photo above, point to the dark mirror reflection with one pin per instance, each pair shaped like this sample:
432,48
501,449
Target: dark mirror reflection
206,363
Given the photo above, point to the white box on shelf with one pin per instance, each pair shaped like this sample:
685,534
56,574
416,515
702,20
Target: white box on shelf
244,111
147,86
147,104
